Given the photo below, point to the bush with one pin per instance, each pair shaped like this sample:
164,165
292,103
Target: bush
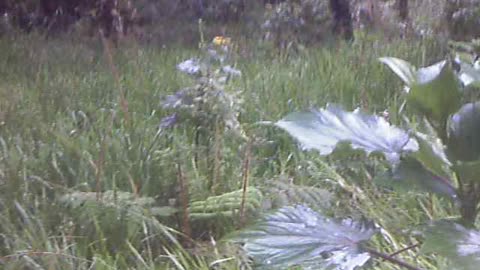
463,18
113,17
293,22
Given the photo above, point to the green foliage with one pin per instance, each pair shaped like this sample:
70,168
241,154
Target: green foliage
299,236
416,161
461,17
210,102
63,132
94,212
112,17
459,244
227,205
112,204
412,174
432,90
322,130
282,193
464,127
291,23
223,10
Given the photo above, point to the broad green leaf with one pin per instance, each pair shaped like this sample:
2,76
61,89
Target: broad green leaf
460,245
435,92
427,169
300,236
432,90
402,68
468,171
431,155
323,129
410,174
463,133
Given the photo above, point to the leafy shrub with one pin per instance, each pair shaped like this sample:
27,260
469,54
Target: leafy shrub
223,10
463,18
440,154
113,17
293,22
210,107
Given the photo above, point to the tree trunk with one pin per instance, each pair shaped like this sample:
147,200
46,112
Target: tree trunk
402,6
342,18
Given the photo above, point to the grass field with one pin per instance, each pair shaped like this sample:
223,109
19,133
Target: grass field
64,133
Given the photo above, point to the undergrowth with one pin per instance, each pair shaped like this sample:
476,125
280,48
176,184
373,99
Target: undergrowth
86,184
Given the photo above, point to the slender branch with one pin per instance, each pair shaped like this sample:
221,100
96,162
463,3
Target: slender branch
391,259
405,249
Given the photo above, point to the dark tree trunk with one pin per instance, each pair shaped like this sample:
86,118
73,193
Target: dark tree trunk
342,18
402,6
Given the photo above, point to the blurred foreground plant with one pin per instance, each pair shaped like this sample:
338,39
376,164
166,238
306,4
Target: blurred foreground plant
440,154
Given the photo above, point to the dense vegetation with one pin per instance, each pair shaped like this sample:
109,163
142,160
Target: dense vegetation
131,155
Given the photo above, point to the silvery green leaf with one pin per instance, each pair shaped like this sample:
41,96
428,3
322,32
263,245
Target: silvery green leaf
463,133
323,129
190,66
432,90
432,155
468,74
402,68
455,242
299,236
413,175
430,73
436,92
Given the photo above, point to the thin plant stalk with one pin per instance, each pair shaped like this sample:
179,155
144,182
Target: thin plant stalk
245,181
217,162
116,76
186,229
391,259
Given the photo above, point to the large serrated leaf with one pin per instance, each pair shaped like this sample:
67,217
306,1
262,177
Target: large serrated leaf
433,90
468,171
402,68
436,92
300,236
427,169
323,129
460,245
431,155
411,174
463,133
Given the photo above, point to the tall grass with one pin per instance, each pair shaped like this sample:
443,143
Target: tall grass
63,130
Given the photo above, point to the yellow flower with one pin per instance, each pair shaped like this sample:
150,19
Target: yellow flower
222,41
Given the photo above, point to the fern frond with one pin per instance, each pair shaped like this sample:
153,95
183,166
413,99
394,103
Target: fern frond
227,204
